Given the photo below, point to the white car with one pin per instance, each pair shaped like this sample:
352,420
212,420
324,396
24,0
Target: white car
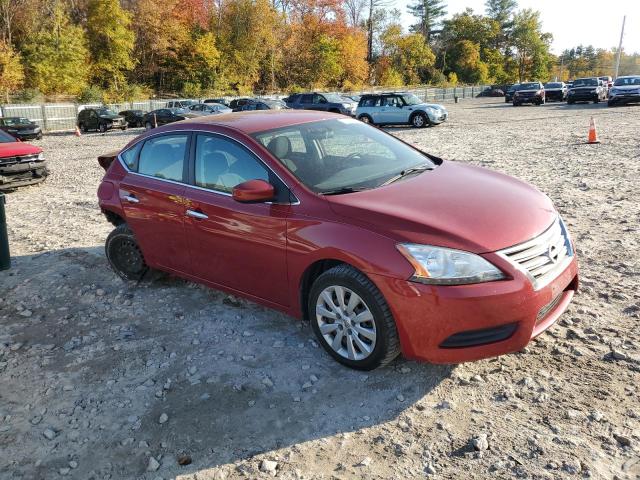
399,108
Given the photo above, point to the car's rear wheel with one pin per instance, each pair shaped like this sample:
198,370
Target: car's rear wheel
102,127
124,254
365,119
352,320
419,120
148,126
83,127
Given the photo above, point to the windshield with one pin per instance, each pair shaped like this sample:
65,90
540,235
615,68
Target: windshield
106,111
529,86
585,82
333,98
553,85
16,121
340,154
623,82
6,138
411,99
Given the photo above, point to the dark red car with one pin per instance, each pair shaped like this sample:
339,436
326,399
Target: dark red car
384,248
20,163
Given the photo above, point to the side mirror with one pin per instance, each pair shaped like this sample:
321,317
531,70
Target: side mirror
253,191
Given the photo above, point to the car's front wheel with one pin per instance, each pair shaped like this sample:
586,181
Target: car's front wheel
102,127
124,254
352,320
148,126
419,120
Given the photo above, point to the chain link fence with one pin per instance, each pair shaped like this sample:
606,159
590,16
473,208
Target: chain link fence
63,116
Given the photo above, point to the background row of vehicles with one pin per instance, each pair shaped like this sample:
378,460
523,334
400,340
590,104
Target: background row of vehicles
625,89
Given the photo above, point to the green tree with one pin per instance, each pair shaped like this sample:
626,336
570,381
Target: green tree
531,46
11,72
429,14
111,42
501,11
409,54
56,57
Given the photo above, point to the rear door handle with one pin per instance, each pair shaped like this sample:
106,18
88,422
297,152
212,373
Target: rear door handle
197,215
129,197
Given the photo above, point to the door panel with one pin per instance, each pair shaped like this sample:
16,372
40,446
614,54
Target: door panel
240,246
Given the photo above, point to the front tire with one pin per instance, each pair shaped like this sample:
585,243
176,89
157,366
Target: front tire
419,120
102,128
148,126
352,320
124,254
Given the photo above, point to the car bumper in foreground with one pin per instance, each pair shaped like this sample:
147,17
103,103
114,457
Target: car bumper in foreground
18,175
453,324
624,98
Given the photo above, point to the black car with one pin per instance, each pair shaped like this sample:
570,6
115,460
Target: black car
236,103
555,91
326,102
134,118
261,104
508,95
21,128
587,90
101,119
530,92
163,116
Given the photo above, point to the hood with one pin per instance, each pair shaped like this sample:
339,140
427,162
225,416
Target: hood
632,88
12,149
23,126
456,206
111,117
429,105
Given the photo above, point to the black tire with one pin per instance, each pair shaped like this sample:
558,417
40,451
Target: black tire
596,100
419,120
124,254
139,124
516,104
610,104
570,102
366,119
123,128
148,126
83,127
387,343
102,127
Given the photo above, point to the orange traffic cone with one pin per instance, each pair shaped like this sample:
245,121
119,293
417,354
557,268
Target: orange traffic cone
77,134
593,134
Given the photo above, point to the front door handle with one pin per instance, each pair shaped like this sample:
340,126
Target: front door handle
129,197
197,215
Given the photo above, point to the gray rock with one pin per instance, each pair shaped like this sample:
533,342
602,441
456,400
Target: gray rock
269,466
365,462
49,434
163,418
480,442
153,465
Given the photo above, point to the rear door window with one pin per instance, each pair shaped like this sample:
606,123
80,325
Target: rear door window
306,99
164,157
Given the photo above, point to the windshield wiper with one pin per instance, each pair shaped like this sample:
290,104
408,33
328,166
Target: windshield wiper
340,191
408,171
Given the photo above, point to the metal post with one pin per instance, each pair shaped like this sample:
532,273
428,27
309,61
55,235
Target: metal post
620,47
43,109
5,257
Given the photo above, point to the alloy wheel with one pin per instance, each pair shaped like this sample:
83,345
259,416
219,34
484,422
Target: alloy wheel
418,121
346,322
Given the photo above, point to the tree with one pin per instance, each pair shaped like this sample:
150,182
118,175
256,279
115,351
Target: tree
56,58
501,11
531,46
111,42
11,72
429,13
408,54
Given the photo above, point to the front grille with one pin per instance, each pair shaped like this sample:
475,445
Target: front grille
547,308
542,258
19,159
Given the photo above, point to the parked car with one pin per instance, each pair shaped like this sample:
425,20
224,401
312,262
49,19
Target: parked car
21,128
221,101
163,116
180,103
569,84
492,92
586,90
236,103
262,104
134,118
209,109
20,163
325,102
555,91
530,92
352,97
325,218
101,119
508,95
398,108
625,90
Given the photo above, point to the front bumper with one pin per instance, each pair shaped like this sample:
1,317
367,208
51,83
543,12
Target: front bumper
20,174
583,97
528,99
431,318
623,98
555,95
438,117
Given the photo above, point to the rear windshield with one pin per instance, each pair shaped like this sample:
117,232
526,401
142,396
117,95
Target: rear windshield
622,82
586,82
6,138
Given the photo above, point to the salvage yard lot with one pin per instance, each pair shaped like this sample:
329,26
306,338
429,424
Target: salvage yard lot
89,364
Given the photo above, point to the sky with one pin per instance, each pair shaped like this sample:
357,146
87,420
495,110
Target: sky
572,22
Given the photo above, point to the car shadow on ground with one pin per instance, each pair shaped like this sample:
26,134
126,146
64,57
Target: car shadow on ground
235,379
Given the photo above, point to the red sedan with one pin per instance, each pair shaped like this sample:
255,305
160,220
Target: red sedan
20,163
384,248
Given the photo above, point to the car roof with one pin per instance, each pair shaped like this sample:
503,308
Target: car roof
261,120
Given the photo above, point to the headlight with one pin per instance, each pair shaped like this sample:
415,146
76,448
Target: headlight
12,130
445,266
41,156
613,91
571,92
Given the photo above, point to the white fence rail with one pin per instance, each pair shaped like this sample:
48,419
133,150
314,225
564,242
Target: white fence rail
63,116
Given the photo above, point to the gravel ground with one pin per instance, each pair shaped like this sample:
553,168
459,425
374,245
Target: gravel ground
168,379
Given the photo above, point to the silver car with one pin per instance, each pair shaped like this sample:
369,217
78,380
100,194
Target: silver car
202,109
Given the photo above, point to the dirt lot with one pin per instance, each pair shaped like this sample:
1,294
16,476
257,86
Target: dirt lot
103,380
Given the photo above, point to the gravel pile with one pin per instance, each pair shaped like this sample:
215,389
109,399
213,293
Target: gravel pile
168,379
